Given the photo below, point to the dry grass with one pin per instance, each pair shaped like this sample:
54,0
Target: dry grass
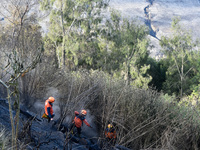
144,119
5,139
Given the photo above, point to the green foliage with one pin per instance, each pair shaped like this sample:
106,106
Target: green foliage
127,49
74,29
180,52
191,101
157,72
139,77
195,78
82,39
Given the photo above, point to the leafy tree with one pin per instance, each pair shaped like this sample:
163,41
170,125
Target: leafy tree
179,50
128,47
74,28
158,72
116,46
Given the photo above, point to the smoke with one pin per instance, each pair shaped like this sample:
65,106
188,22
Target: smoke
87,131
51,91
39,104
39,107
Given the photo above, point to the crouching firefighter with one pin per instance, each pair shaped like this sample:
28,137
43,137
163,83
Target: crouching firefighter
110,134
78,121
49,109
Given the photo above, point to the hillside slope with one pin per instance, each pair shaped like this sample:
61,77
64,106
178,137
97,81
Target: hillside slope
37,133
161,12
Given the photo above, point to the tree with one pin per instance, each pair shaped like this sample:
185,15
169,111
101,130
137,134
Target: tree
21,48
128,48
74,29
179,50
195,78
158,72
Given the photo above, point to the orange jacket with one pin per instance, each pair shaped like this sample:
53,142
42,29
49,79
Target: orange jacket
110,134
48,105
78,120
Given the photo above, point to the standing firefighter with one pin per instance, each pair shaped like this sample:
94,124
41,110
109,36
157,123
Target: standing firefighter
78,121
110,134
49,109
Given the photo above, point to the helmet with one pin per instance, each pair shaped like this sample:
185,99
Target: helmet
83,112
51,99
110,126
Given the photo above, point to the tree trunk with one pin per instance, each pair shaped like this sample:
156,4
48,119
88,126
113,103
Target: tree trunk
63,34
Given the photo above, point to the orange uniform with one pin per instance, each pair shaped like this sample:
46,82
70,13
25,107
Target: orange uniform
48,108
78,121
110,134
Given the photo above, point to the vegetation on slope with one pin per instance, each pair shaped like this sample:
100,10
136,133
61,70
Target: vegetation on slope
96,61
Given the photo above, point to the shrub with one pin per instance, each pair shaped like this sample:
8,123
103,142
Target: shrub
143,118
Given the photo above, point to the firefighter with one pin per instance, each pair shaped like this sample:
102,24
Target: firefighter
110,134
78,121
49,109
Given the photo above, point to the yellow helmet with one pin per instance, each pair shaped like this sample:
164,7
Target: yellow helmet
51,99
110,126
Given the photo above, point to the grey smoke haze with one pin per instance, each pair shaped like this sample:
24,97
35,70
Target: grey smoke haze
39,105
87,131
90,132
